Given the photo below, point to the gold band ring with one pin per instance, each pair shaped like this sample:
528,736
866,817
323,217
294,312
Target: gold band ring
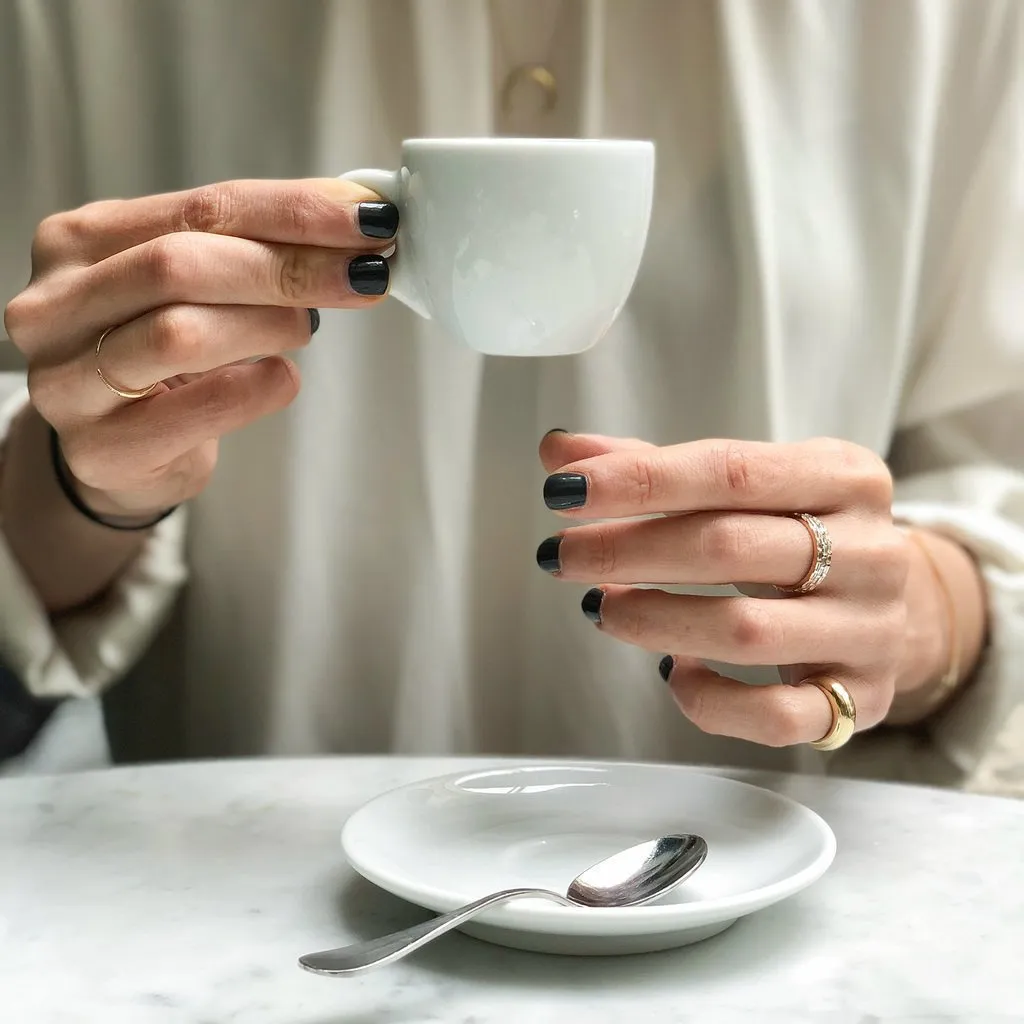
120,392
844,713
821,560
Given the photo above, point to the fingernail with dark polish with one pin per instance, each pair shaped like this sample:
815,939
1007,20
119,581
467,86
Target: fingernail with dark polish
591,604
565,490
665,666
369,275
547,554
314,321
378,220
555,430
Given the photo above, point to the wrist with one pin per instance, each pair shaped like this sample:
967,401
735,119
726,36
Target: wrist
66,559
99,506
946,626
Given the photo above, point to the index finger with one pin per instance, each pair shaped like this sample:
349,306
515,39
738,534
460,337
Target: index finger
326,212
821,475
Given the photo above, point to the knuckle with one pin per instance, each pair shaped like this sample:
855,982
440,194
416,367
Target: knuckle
598,558
208,209
175,333
643,477
870,479
731,464
66,235
54,236
22,314
86,460
752,629
865,475
42,391
169,263
876,485
295,274
736,470
30,318
303,212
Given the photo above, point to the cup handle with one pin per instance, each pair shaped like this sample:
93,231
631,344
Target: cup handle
388,185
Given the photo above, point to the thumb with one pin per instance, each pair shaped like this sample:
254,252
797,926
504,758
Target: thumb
559,447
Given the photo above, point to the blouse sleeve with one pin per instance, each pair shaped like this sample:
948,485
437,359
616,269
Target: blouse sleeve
83,652
958,456
964,478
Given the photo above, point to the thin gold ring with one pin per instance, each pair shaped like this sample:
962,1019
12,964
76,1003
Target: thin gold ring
821,560
539,76
120,392
844,713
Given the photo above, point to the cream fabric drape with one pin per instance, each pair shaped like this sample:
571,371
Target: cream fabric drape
836,249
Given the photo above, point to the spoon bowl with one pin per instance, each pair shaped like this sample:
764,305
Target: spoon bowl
632,877
640,874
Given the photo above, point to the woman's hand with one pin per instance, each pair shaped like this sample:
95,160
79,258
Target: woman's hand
723,514
189,288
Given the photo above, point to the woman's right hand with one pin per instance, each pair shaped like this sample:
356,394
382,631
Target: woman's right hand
190,286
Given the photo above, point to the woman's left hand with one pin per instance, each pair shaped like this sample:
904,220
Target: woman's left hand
721,512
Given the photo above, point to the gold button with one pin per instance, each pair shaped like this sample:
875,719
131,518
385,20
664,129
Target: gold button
536,74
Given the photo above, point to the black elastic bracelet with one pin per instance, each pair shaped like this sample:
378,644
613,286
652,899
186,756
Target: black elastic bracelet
67,486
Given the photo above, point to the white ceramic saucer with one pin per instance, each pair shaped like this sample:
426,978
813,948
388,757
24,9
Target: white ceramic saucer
447,841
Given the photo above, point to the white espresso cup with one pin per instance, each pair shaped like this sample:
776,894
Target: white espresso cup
518,247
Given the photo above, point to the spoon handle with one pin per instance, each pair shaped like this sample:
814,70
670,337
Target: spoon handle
376,952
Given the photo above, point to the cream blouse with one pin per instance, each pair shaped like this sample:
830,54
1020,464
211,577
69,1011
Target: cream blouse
837,249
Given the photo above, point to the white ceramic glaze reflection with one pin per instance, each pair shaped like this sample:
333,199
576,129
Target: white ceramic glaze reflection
444,842
520,247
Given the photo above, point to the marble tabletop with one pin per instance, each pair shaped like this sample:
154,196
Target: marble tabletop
184,893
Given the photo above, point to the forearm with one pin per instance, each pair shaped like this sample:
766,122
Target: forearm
930,635
67,559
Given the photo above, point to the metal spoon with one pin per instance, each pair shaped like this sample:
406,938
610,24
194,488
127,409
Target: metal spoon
627,879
